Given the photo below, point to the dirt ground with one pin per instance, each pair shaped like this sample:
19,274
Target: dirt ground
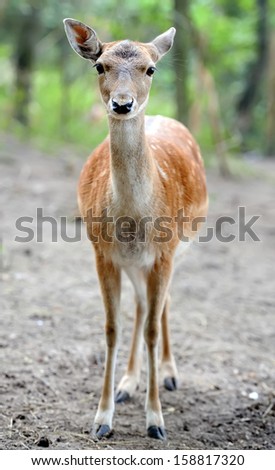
52,343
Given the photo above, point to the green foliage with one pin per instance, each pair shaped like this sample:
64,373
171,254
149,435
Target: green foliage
64,95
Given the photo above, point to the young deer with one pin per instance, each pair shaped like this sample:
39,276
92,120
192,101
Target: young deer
131,192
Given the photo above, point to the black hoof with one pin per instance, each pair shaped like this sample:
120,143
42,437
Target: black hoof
170,383
122,397
157,433
102,431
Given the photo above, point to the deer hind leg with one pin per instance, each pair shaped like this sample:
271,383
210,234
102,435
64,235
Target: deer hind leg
130,380
110,283
158,284
169,373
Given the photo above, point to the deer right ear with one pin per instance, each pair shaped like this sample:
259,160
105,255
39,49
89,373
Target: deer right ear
83,39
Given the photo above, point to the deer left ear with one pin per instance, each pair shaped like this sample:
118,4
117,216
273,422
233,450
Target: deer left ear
164,42
83,39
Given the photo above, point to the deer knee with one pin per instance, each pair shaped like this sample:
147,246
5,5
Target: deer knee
111,332
151,333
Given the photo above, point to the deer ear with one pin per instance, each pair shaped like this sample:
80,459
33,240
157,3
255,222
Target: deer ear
164,42
83,39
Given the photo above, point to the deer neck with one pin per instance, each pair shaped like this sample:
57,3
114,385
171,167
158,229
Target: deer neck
132,164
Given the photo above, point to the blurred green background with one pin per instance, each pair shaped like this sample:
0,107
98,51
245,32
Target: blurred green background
219,79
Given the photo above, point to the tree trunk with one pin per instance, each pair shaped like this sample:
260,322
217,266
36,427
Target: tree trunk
24,61
270,142
181,54
254,72
206,85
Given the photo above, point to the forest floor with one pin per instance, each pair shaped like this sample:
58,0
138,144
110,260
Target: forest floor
52,342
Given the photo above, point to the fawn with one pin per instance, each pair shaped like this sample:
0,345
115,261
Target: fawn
131,192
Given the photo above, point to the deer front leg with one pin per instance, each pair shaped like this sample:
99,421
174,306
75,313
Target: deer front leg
169,371
158,283
110,283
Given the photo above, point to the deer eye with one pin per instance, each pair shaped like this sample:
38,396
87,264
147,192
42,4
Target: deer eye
99,68
150,71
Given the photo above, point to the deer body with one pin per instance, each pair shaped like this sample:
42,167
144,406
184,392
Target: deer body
130,190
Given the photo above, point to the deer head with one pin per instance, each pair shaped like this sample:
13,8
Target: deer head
125,68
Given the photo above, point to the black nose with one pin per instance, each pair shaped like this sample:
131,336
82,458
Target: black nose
122,109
